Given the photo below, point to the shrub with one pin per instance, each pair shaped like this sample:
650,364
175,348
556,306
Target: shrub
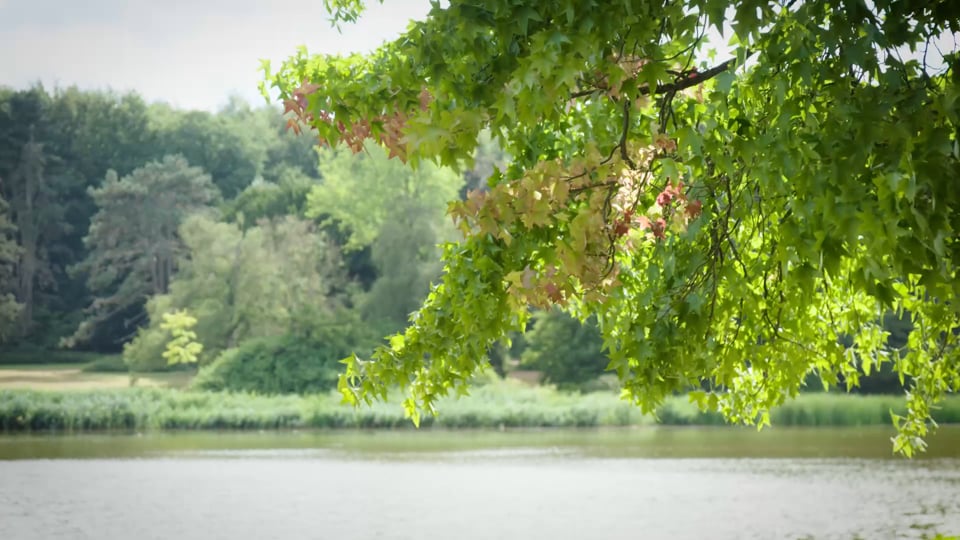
283,365
109,363
568,353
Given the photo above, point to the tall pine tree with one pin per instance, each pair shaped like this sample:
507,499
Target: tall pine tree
133,239
9,253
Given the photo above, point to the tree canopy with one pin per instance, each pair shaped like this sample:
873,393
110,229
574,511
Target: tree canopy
398,213
733,223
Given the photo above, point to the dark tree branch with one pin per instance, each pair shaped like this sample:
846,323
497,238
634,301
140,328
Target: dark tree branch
692,80
676,86
583,93
623,136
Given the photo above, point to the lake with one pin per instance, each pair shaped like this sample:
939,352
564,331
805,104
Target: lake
675,483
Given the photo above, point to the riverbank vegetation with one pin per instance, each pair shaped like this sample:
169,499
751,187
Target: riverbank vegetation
497,404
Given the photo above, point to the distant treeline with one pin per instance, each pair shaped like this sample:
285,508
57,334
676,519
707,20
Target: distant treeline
114,212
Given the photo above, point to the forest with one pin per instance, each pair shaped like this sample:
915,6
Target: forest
116,213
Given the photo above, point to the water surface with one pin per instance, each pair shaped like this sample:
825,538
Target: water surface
551,484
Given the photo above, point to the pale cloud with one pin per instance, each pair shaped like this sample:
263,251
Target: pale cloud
189,53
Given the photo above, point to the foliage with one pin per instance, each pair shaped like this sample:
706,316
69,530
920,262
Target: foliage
279,277
53,146
268,200
133,239
72,138
567,351
398,213
362,194
9,254
287,364
183,347
39,219
727,222
107,363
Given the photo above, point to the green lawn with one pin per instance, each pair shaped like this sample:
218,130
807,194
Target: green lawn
67,377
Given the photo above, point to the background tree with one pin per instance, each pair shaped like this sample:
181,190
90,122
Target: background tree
39,219
9,255
488,159
281,277
81,135
264,199
232,146
727,221
567,352
399,213
33,181
133,241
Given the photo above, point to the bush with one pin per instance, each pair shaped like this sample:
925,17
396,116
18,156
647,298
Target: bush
283,365
111,363
145,352
569,354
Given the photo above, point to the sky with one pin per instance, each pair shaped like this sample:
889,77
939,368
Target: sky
189,53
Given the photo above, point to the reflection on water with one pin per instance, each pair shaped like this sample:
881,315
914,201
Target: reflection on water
661,442
662,483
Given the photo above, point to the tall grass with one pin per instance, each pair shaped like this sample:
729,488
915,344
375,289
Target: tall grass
817,409
490,406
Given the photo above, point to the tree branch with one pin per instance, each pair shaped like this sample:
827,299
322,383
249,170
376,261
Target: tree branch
691,80
623,136
676,86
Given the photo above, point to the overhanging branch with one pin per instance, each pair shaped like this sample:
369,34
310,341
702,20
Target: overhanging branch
682,83
693,79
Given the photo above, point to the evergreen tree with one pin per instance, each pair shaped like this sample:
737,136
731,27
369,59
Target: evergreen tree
39,219
9,255
133,241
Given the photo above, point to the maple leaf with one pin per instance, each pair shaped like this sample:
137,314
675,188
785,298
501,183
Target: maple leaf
425,98
554,293
306,88
658,227
664,198
693,209
290,105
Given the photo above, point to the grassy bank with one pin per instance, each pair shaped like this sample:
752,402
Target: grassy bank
491,406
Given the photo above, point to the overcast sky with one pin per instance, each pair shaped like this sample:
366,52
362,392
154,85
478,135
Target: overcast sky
190,53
